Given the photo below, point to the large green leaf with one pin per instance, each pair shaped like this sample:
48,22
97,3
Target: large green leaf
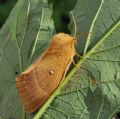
25,34
92,90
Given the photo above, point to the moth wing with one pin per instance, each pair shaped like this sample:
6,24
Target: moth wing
35,86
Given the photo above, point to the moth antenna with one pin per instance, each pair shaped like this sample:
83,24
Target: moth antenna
75,26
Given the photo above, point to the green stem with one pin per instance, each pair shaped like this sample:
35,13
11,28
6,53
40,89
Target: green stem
24,113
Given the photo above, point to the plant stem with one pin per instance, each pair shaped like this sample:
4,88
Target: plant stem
24,113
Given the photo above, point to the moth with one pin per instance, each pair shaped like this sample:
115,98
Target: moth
39,81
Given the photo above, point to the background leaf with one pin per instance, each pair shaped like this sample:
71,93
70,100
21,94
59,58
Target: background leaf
19,37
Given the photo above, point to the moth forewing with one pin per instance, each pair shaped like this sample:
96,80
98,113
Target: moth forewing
40,80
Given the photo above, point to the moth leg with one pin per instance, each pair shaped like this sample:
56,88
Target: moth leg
75,64
76,52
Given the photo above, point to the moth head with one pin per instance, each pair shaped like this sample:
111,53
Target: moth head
63,39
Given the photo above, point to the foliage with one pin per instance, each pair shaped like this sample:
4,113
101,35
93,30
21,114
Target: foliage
91,90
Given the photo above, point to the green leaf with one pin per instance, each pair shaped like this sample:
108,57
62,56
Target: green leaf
25,34
92,90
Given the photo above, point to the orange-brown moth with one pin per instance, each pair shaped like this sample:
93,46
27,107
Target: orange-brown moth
39,81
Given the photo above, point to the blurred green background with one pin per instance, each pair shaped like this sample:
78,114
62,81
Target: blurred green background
60,12
5,8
